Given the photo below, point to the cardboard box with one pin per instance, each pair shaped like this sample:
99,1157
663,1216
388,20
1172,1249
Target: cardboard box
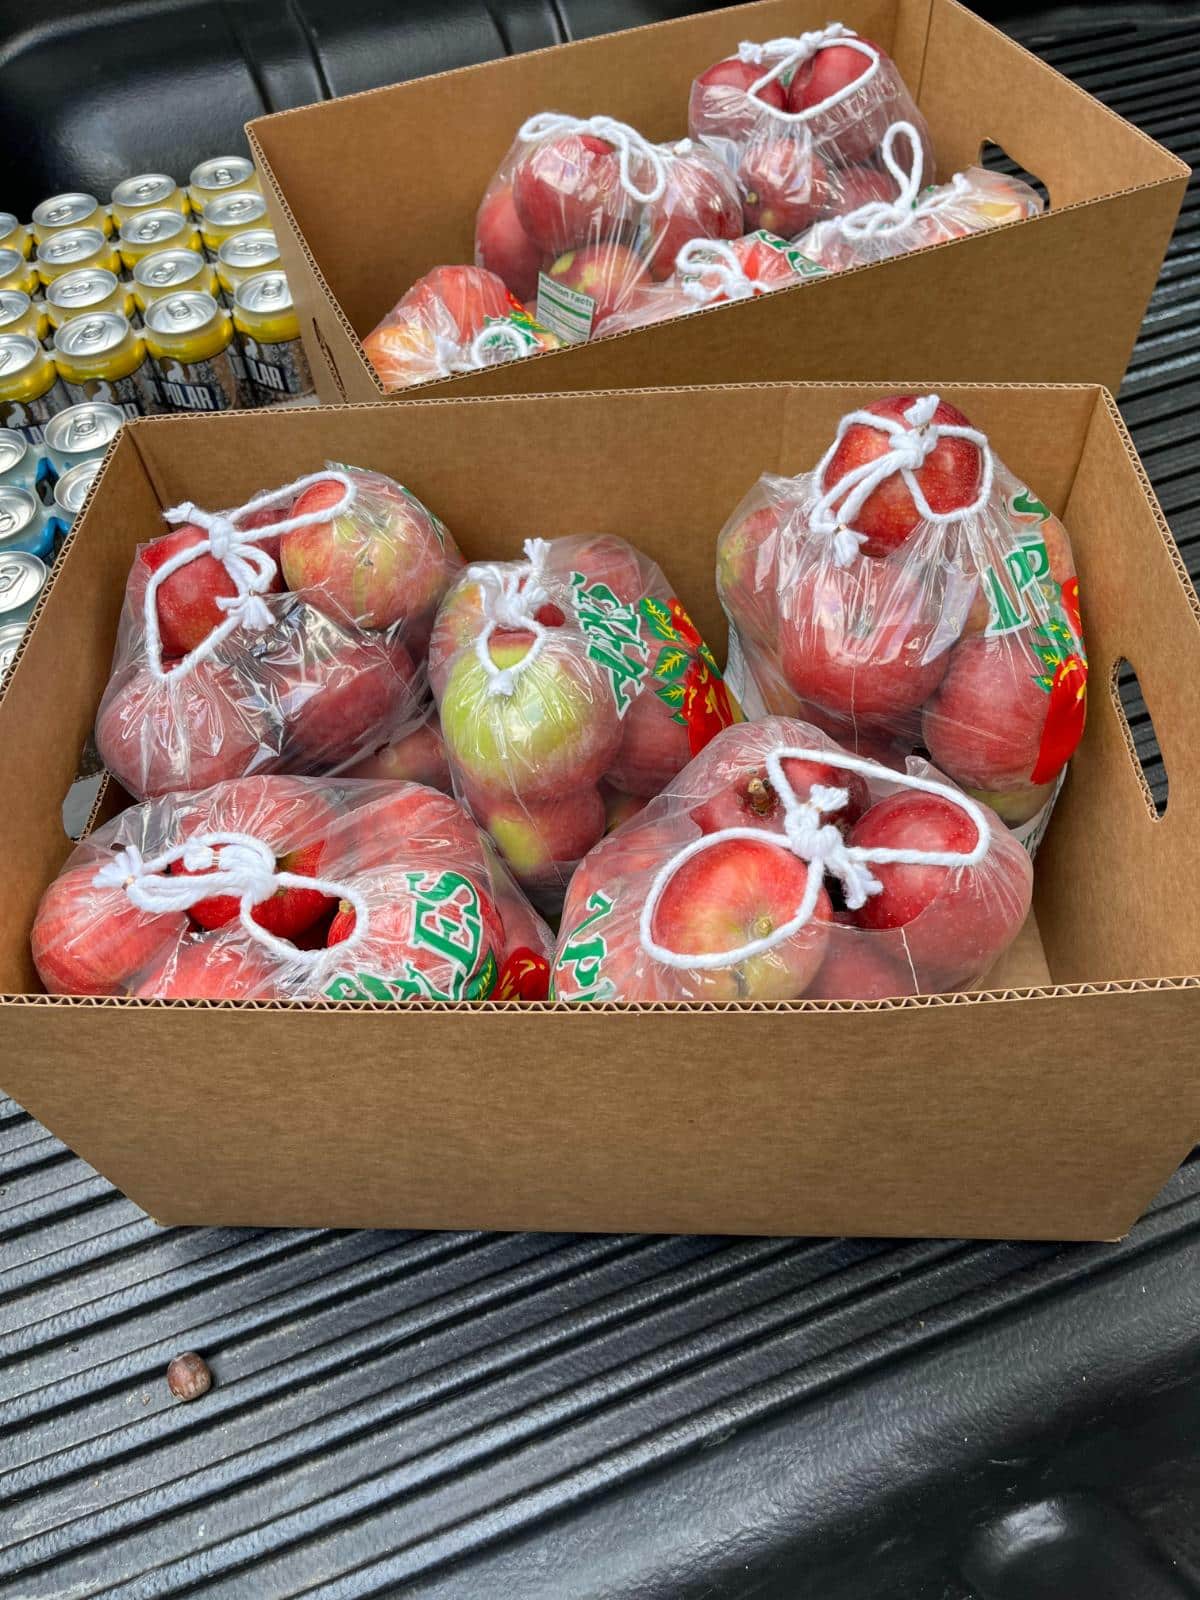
369,192
1053,1104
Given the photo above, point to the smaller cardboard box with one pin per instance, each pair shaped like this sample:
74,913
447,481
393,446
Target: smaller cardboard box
369,192
1052,1103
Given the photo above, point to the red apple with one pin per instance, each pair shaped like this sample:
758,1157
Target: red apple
734,893
386,560
861,966
747,553
556,731
465,295
984,724
187,600
860,640
608,272
603,559
700,201
956,920
402,822
503,246
567,192
292,816
541,842
186,733
214,968
721,105
339,693
654,746
856,125
858,186
416,757
949,477
94,940
751,800
785,185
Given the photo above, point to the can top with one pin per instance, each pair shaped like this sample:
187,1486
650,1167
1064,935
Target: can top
73,244
14,447
14,303
18,508
11,261
11,634
7,223
21,576
83,287
143,190
255,247
221,172
241,210
65,210
18,351
264,294
181,313
163,268
87,426
71,490
153,227
93,335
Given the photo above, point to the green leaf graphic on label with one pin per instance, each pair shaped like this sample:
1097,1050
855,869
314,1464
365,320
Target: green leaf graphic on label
614,635
584,952
671,664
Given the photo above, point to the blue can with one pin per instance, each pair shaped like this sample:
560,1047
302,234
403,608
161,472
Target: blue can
25,524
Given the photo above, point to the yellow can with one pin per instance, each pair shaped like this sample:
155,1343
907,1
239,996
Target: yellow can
15,235
219,175
100,357
230,214
148,191
87,290
151,231
269,329
199,364
63,212
171,272
17,273
30,388
20,314
244,256
73,249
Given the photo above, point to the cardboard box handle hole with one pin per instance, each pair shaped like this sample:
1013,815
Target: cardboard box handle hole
1137,725
996,158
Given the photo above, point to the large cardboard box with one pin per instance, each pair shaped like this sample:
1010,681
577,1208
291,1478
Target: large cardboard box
369,192
1054,1103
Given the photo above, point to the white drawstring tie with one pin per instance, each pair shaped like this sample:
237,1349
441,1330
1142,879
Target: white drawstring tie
628,141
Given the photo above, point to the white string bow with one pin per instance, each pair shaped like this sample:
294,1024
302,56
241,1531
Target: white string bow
820,844
908,447
250,568
245,867
716,261
790,53
886,216
497,342
628,141
510,594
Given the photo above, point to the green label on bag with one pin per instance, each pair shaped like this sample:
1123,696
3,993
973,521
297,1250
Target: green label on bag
583,955
448,923
616,642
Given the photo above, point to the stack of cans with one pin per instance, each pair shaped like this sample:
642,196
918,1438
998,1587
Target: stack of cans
149,304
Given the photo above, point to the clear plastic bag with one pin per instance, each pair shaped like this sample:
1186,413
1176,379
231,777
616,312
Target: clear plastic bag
454,319
909,595
800,122
777,866
584,212
972,201
284,888
417,756
220,670
551,675
709,272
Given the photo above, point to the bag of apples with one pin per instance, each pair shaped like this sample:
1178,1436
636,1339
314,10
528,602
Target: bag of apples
910,594
283,888
800,123
777,866
709,272
584,211
972,201
454,319
290,633
552,675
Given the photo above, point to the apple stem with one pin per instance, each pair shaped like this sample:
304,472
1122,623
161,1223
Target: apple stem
761,796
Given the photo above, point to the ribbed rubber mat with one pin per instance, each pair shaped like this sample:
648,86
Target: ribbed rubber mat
395,1412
